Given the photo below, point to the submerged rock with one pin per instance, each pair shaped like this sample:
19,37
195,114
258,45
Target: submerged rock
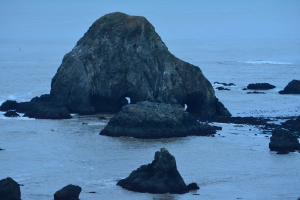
155,120
9,189
122,56
11,113
283,140
260,86
293,87
69,192
161,176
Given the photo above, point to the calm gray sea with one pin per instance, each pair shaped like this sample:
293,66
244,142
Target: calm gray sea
231,41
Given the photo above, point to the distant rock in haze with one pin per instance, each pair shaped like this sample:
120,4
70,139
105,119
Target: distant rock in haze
155,120
159,177
260,86
122,56
11,114
293,87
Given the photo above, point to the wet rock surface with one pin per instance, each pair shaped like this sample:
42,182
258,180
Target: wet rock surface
11,114
161,176
69,192
293,87
155,120
9,189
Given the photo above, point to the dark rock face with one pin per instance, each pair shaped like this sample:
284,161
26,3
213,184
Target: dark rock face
222,88
260,86
292,88
11,114
9,189
292,125
70,192
39,108
155,120
161,176
283,140
122,56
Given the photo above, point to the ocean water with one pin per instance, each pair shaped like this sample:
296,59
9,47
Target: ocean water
233,42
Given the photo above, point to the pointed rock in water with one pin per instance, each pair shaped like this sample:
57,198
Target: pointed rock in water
9,189
155,120
161,176
70,192
122,56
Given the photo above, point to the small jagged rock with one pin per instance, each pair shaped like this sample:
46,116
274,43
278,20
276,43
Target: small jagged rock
293,87
9,189
161,176
155,120
69,192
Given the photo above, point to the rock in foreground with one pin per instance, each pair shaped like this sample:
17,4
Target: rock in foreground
9,189
70,192
283,140
292,88
122,56
155,120
161,176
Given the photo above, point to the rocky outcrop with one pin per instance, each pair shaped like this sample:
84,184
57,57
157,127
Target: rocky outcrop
161,176
39,108
283,140
9,189
69,192
122,56
260,86
293,125
293,87
155,120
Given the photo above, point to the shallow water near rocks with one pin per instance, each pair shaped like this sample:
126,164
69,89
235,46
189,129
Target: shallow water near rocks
240,43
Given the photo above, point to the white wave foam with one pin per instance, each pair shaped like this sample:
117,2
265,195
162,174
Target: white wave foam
265,62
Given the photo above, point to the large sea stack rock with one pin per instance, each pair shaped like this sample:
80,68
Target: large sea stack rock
155,120
161,176
122,56
292,88
9,189
283,140
69,192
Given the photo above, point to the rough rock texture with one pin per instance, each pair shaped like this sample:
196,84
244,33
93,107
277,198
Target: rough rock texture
293,125
122,56
70,192
283,140
260,86
39,108
155,120
161,176
9,189
292,88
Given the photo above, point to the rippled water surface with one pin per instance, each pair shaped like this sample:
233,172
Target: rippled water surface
232,42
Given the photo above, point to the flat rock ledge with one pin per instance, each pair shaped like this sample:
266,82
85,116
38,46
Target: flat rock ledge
159,177
155,120
38,107
283,140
